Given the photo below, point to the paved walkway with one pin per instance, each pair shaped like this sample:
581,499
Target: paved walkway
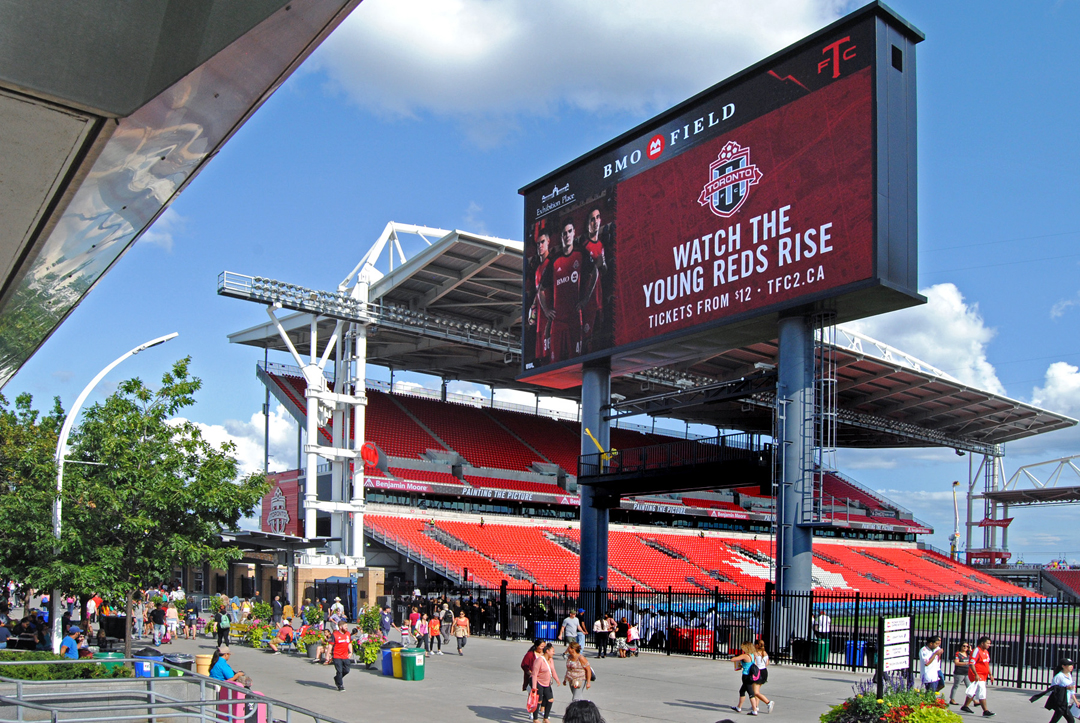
485,685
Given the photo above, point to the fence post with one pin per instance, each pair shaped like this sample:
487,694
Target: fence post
671,618
766,616
504,611
855,662
1023,643
964,617
716,621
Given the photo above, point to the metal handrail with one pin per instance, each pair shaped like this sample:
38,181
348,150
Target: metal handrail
731,447
179,708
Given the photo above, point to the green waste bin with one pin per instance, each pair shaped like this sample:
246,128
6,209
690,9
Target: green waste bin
820,652
412,661
103,657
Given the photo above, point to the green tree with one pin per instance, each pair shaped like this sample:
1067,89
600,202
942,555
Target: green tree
156,496
27,488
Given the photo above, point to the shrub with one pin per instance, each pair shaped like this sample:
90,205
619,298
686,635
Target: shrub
60,671
313,615
901,703
261,611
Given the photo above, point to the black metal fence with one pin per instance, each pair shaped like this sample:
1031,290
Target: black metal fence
825,629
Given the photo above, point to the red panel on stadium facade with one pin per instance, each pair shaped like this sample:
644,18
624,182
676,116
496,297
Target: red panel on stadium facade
788,188
281,505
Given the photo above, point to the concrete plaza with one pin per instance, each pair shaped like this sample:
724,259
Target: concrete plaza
485,685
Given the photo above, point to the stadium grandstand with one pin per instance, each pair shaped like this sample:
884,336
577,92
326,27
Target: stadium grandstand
457,489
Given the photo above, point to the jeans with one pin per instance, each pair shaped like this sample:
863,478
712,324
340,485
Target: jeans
959,680
581,639
341,669
159,633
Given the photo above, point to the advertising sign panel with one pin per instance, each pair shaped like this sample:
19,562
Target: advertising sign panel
791,184
281,505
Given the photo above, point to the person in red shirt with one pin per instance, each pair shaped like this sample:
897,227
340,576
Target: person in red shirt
979,675
342,653
284,635
592,311
540,310
565,284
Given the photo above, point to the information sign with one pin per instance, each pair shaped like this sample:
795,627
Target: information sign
894,624
897,651
900,636
896,664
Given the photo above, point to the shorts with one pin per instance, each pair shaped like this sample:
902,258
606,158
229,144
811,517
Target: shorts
977,691
565,340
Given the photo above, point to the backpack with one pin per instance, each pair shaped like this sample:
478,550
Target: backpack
224,620
755,672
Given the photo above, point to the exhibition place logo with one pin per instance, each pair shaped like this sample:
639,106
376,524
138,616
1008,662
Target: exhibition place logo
731,176
554,192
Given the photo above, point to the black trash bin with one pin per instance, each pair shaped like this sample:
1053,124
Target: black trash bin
148,652
800,651
181,660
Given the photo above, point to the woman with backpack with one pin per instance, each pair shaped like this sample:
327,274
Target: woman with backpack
223,628
744,662
761,660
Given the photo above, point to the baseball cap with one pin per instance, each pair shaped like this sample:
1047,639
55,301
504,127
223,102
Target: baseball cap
74,629
1067,661
223,649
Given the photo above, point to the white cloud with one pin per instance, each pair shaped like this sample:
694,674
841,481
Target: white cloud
488,62
1061,389
1058,310
947,332
161,233
473,221
248,437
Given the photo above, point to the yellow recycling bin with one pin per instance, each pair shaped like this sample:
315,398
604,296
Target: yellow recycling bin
398,671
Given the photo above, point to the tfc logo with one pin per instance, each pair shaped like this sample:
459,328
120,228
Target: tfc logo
731,176
656,147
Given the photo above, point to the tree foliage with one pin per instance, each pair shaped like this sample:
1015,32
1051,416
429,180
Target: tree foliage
27,488
151,493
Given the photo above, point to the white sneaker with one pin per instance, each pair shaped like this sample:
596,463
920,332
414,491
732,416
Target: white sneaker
770,705
737,709
753,712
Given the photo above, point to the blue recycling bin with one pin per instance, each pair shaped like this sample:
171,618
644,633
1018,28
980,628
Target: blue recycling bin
854,653
545,630
387,662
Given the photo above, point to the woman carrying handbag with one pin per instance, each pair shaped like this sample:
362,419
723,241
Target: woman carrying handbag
578,672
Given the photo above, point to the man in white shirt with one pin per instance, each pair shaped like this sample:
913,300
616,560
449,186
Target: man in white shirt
930,664
822,625
570,627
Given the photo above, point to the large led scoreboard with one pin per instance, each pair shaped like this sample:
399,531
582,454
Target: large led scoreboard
788,188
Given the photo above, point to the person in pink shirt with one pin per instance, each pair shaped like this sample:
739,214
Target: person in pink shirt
543,675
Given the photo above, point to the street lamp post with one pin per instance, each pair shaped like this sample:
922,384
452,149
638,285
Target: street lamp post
69,421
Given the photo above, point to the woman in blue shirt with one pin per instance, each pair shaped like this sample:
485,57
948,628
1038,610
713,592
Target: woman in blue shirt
220,668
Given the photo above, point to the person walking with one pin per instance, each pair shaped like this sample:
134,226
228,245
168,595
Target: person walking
960,671
761,660
1062,692
435,635
570,627
172,622
191,617
622,629
979,676
543,675
423,637
447,623
157,617
342,654
535,651
930,664
276,610
461,631
223,628
578,671
743,663
600,634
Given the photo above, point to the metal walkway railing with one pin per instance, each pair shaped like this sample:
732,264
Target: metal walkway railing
159,699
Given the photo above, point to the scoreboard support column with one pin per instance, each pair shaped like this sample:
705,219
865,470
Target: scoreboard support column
795,372
595,397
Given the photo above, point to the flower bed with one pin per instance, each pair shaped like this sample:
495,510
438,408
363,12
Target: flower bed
901,703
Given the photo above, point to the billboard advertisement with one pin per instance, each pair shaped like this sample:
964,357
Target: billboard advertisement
281,505
761,195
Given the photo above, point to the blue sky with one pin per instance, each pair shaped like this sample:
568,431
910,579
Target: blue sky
435,113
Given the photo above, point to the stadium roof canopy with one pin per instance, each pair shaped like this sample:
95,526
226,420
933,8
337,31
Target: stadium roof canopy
454,310
107,112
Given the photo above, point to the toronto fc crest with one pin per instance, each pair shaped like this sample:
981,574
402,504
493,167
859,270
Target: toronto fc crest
730,178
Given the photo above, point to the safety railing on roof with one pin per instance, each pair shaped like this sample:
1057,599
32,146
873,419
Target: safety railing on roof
95,700
679,453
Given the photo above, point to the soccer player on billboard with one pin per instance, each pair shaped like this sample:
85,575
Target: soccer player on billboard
566,277
592,311
540,314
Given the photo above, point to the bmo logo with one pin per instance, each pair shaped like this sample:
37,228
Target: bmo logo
656,147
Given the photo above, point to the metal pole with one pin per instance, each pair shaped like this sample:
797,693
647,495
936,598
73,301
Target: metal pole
61,442
794,564
266,414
